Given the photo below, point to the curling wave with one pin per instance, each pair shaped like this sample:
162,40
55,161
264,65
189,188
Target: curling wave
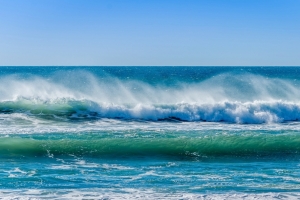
256,112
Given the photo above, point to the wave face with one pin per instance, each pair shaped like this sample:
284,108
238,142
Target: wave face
234,95
166,143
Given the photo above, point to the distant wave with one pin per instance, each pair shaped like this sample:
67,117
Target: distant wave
256,112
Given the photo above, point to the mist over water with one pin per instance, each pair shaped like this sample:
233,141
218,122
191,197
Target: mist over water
82,85
241,97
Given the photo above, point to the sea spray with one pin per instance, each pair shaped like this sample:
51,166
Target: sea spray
79,94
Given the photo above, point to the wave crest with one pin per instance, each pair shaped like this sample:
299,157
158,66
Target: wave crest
256,112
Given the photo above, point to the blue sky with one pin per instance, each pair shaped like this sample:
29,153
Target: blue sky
156,32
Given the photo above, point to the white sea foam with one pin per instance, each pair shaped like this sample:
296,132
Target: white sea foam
128,193
41,126
255,112
234,112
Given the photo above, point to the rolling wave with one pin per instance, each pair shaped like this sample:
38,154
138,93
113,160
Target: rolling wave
256,112
237,145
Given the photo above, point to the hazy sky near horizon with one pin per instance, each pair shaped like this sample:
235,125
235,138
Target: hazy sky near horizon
154,32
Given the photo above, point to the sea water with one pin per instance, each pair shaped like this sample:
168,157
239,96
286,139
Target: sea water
150,132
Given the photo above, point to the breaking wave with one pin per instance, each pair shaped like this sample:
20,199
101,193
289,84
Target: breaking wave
243,98
233,112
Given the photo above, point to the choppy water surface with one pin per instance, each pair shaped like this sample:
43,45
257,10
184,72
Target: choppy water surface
149,132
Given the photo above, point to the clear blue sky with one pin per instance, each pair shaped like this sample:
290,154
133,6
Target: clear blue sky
153,32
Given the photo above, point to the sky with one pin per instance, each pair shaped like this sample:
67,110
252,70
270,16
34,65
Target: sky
150,32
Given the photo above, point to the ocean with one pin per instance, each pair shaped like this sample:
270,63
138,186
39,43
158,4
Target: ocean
149,132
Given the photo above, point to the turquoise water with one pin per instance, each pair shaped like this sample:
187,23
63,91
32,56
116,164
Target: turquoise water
150,132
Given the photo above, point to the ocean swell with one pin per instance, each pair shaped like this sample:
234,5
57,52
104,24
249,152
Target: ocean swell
238,145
